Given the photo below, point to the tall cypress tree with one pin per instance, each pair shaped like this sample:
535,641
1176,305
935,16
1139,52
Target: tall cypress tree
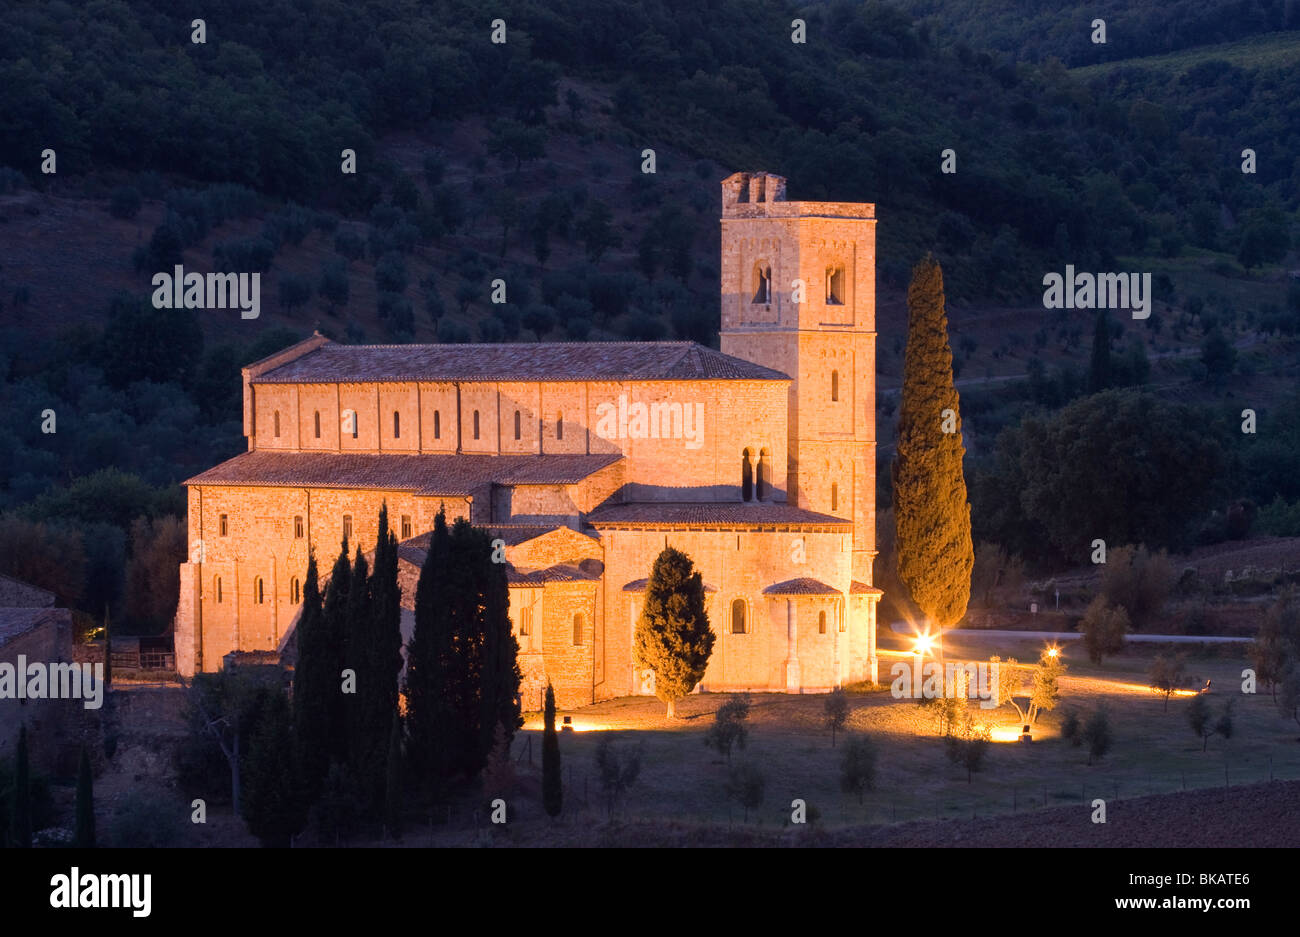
500,675
1099,373
272,805
377,652
84,834
357,616
673,637
426,706
20,827
335,615
393,779
315,686
932,515
552,780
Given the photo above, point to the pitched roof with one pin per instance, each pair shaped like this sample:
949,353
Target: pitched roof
712,514
861,588
803,585
545,361
14,593
428,474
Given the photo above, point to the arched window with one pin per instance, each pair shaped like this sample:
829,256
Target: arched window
518,425
762,284
223,525
347,526
406,527
277,423
559,426
216,587
317,421
297,527
835,386
525,621
397,425
821,622
835,496
577,629
476,424
835,286
437,424
761,480
738,616
746,478
295,591
258,595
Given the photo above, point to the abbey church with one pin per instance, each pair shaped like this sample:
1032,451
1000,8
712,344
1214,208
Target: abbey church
585,460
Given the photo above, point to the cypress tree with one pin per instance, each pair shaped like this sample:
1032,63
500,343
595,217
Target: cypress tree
426,706
673,637
552,784
377,651
932,515
272,803
85,828
335,615
393,779
357,748
499,700
20,827
1099,373
315,686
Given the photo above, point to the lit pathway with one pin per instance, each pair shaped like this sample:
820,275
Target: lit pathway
903,628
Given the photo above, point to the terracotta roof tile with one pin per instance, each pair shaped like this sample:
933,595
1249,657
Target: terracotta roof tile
803,585
861,588
429,474
712,514
638,585
545,361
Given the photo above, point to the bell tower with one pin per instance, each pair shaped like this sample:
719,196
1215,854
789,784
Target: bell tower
799,296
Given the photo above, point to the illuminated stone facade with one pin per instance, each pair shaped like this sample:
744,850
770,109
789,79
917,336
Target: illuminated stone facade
586,459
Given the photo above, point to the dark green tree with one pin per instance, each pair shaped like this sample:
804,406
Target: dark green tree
393,779
273,805
20,825
1099,370
673,637
315,686
836,709
84,835
334,614
377,650
858,766
360,749
552,782
931,512
428,683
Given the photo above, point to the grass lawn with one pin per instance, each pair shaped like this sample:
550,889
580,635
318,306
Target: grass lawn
1154,751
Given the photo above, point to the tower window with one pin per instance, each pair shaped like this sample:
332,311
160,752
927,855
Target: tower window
835,496
559,426
835,286
738,616
406,527
258,595
746,478
835,386
476,424
297,527
437,424
518,425
347,526
525,622
222,525
577,630
216,587
760,475
317,421
821,622
397,425
276,418
762,284
295,591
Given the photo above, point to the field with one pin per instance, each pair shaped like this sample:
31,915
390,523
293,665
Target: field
1271,50
1155,751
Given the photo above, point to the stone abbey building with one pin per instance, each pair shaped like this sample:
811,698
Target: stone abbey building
586,459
